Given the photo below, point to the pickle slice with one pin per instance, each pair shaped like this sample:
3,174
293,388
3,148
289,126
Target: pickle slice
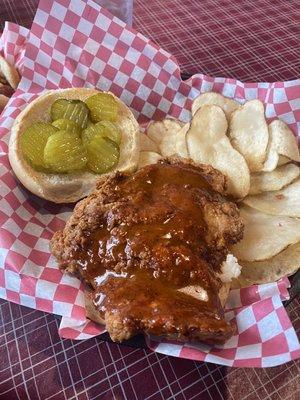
103,154
68,125
33,142
64,152
75,110
88,133
110,130
103,106
104,129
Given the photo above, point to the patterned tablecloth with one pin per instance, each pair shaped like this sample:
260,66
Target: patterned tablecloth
248,40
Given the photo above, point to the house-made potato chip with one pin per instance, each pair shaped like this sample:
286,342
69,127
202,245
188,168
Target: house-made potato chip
282,145
249,134
265,235
287,262
274,180
216,99
148,157
170,137
280,202
147,144
208,144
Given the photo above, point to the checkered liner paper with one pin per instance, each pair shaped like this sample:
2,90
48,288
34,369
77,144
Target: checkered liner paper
77,43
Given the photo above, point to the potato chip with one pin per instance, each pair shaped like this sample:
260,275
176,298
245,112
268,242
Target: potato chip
9,72
148,157
282,160
280,202
274,180
265,235
3,101
282,145
207,143
286,263
248,132
216,99
169,135
272,159
147,144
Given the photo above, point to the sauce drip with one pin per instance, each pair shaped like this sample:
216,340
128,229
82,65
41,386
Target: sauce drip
155,235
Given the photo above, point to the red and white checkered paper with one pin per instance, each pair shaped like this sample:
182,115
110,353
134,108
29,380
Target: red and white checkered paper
77,43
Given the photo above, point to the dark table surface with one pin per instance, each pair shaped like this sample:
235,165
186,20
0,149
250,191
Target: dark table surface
243,39
249,40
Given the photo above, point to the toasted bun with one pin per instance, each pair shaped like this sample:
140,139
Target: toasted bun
68,188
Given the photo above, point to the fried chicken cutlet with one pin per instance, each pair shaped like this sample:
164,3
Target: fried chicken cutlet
140,240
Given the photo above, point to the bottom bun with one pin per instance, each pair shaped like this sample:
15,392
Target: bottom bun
68,188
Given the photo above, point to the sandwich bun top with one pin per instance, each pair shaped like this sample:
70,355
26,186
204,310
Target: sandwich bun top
71,187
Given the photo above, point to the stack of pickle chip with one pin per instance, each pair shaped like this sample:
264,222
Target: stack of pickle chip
82,136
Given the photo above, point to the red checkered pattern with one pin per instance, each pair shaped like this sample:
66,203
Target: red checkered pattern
245,39
13,43
265,338
265,335
77,43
